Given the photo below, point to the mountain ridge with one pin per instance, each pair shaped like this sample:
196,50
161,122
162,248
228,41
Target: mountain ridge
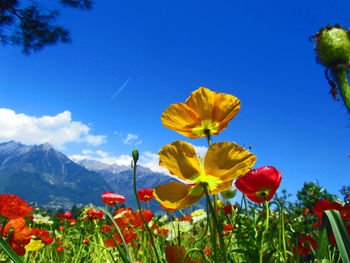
40,174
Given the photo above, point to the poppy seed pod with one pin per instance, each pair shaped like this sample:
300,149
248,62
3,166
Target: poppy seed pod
332,46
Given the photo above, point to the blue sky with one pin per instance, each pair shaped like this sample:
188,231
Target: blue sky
104,93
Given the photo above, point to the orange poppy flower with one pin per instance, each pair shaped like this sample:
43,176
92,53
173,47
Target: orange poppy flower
223,163
128,235
20,236
13,207
126,217
203,111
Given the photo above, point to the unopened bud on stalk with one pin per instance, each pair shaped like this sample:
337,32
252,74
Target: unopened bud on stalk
135,156
10,235
230,193
332,46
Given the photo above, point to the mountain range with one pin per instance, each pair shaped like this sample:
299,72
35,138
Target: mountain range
43,176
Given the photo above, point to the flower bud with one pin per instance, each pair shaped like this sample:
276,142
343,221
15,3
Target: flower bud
230,193
135,156
332,46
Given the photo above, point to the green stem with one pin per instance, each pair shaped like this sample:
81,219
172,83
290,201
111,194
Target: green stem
217,224
263,234
143,219
283,234
340,74
212,232
246,206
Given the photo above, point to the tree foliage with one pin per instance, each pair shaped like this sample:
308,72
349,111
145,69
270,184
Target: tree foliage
310,193
32,25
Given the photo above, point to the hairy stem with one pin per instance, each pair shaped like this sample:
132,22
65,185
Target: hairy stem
340,74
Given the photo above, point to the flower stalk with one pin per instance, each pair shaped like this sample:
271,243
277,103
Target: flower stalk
135,156
264,233
217,224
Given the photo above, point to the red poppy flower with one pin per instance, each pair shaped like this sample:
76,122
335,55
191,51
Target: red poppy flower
72,221
145,195
48,240
304,248
186,218
228,228
206,251
21,235
66,215
59,249
85,241
228,209
13,207
163,232
94,214
106,228
42,233
260,184
324,204
111,199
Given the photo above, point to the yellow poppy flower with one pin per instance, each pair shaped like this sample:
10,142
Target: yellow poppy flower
34,245
223,163
203,111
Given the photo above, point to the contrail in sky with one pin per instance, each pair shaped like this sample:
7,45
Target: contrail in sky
121,88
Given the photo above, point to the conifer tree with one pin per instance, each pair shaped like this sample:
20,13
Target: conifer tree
31,24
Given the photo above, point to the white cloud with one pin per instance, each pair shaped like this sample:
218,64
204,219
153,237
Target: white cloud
95,139
102,154
86,152
103,157
132,139
151,161
56,130
200,150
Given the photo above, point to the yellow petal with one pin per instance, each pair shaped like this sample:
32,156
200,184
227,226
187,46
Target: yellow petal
202,101
176,195
228,161
181,118
218,188
225,108
180,159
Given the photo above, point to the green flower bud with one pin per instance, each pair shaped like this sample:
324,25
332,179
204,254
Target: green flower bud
135,156
230,193
332,46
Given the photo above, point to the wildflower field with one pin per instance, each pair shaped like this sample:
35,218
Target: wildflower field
263,228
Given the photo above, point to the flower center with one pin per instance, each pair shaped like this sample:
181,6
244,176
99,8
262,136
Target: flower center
207,126
263,193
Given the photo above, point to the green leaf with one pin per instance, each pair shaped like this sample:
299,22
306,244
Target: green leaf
341,235
322,243
333,222
9,251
